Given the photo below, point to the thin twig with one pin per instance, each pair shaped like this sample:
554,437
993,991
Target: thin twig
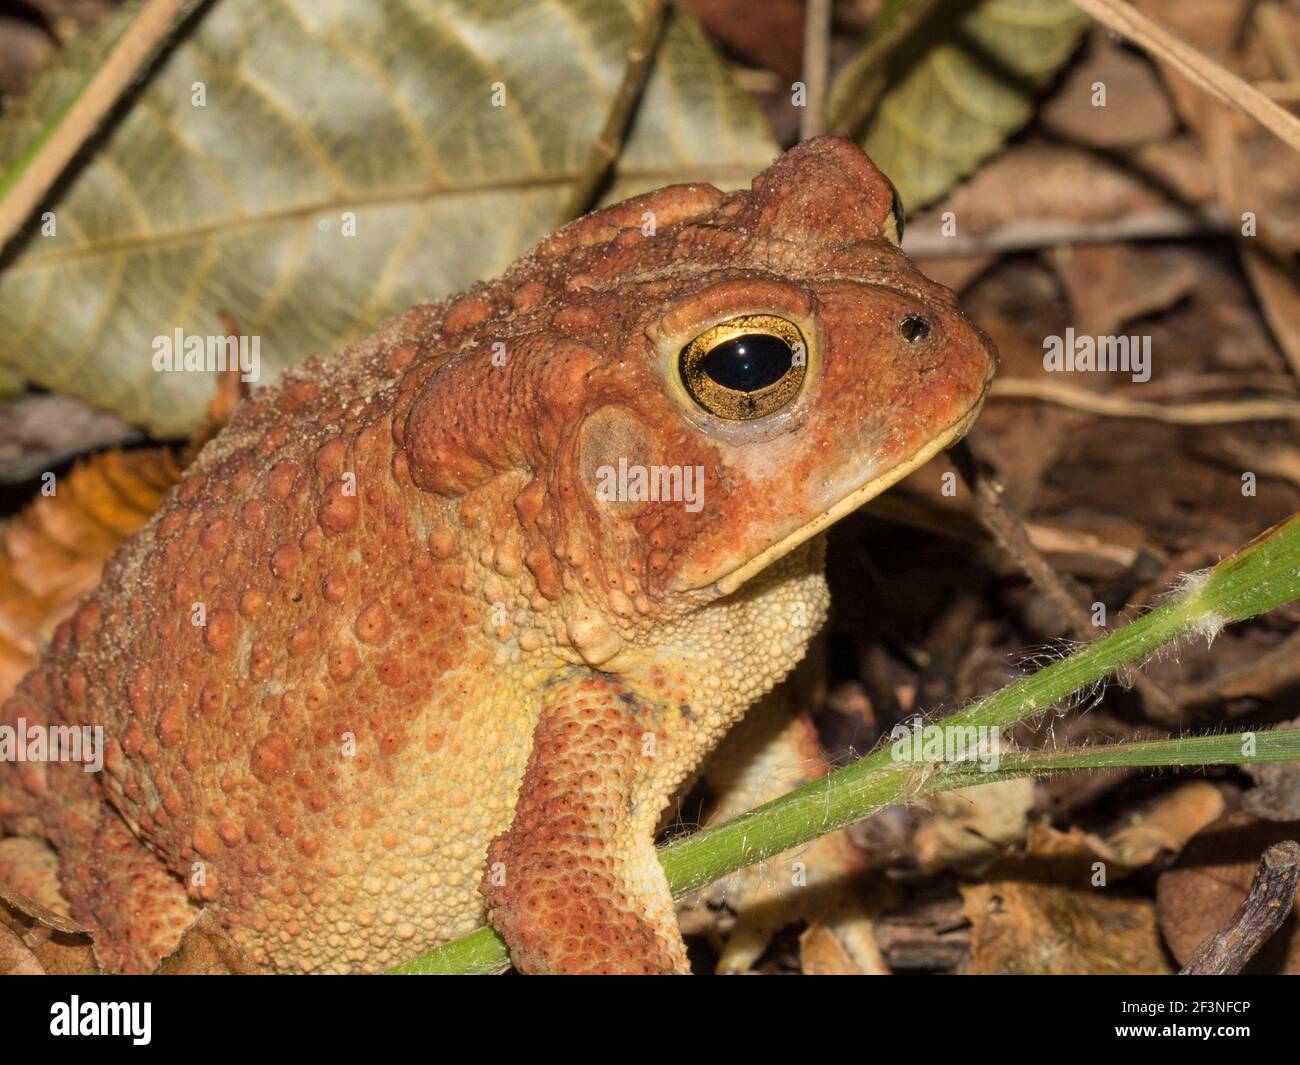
925,241
1198,68
59,143
816,66
1261,913
959,525
608,143
1225,381
1225,412
1010,533
1278,461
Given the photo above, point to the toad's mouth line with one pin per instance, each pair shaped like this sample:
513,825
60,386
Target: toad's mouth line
729,582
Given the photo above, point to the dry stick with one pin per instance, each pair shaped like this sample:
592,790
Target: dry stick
1281,462
1011,536
1224,381
816,66
962,526
1261,913
1198,68
1208,413
149,28
1030,234
609,141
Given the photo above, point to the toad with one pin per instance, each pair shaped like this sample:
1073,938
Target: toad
439,625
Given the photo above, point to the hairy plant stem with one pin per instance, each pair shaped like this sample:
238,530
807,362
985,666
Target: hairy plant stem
1263,575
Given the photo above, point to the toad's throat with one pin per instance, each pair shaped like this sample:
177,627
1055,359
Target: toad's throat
729,582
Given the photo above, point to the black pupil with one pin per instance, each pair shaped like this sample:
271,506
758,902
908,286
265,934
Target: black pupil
749,362
915,328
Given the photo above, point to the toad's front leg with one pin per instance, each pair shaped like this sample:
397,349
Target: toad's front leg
574,885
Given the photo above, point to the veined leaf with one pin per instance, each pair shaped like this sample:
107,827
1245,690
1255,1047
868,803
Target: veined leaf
958,86
320,114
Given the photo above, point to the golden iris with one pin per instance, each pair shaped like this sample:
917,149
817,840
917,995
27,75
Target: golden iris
746,367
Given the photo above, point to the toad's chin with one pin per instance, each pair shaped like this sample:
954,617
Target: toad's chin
728,581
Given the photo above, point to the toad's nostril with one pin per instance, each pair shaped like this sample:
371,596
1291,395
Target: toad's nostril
914,328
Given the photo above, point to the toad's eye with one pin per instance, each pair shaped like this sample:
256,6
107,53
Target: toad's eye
746,367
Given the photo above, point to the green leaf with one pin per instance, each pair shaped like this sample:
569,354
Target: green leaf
10,384
318,108
960,83
1237,748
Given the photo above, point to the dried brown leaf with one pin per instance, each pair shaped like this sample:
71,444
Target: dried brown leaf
54,550
1039,913
1166,825
972,826
1135,110
1110,284
1202,892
